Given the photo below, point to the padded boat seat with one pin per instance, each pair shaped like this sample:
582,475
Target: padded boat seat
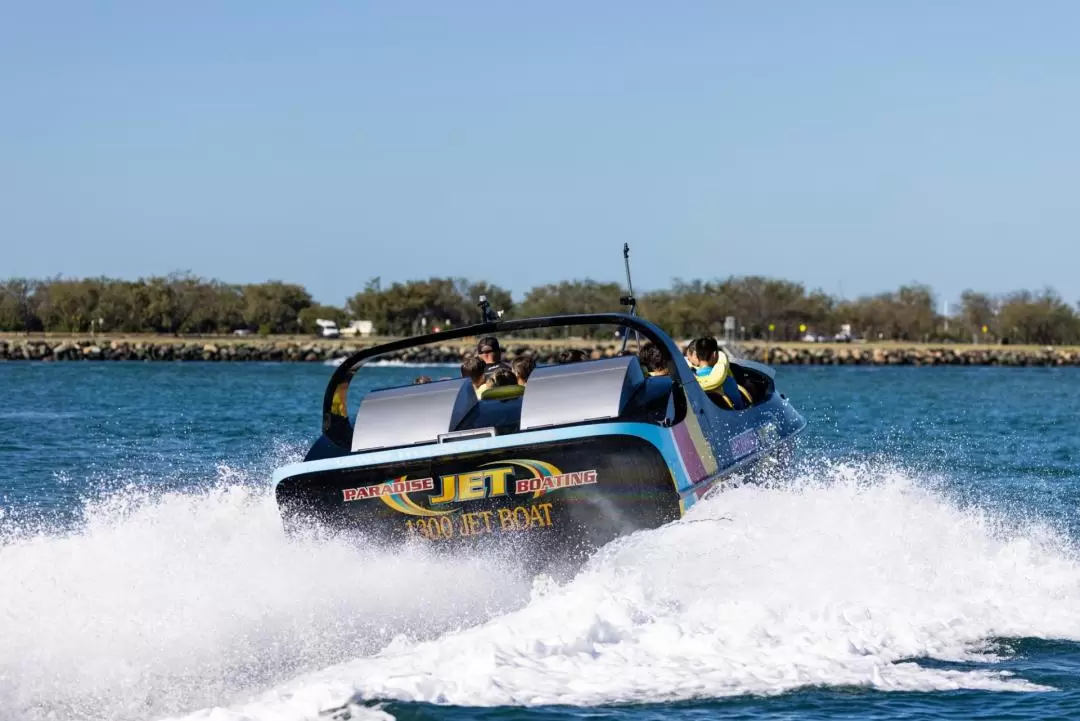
411,414
577,392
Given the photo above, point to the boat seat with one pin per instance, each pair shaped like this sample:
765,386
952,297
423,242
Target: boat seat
413,414
579,392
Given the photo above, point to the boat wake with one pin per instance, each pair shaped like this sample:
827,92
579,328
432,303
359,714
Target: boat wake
195,604
393,364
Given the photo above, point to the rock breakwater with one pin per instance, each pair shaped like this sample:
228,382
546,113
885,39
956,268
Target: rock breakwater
881,355
281,351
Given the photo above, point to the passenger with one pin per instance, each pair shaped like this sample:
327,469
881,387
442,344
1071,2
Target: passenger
489,351
503,377
572,355
523,367
714,374
421,379
473,369
652,360
691,355
502,385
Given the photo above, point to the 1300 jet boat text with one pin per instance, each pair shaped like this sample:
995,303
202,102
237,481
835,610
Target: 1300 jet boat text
519,518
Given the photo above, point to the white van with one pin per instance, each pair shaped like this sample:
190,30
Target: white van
327,328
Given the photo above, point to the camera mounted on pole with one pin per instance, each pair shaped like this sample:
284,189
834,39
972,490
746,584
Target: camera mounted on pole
487,313
628,299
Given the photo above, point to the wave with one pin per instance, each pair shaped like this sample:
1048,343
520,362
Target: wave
843,576
393,364
163,603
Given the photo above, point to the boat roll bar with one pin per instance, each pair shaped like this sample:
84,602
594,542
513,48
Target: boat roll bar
628,300
335,416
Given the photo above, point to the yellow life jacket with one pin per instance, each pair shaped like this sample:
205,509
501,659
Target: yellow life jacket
714,381
716,377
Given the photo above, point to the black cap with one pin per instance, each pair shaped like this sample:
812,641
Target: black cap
488,344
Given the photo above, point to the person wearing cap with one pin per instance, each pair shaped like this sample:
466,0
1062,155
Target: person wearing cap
489,351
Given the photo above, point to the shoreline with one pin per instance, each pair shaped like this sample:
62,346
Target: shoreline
322,350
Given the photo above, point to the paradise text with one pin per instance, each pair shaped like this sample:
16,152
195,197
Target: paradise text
390,488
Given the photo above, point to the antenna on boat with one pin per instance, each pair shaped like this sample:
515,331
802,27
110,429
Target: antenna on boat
629,299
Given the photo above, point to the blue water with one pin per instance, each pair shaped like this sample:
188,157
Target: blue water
920,561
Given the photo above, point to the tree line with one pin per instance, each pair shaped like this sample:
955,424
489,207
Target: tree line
763,308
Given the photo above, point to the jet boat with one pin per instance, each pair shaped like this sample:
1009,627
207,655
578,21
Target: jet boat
585,452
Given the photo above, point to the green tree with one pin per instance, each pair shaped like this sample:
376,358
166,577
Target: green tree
183,303
67,306
409,308
1038,318
17,311
574,296
274,306
976,311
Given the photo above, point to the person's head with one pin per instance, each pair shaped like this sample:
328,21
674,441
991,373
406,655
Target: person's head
690,354
473,369
488,349
571,355
502,376
523,367
652,360
421,379
707,351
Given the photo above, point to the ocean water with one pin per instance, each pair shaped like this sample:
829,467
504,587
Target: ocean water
919,561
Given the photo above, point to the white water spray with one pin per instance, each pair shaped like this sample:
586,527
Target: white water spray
838,583
163,606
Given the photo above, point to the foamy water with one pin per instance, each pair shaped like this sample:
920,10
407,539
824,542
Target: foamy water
195,604
161,605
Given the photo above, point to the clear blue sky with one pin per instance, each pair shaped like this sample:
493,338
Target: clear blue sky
851,146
